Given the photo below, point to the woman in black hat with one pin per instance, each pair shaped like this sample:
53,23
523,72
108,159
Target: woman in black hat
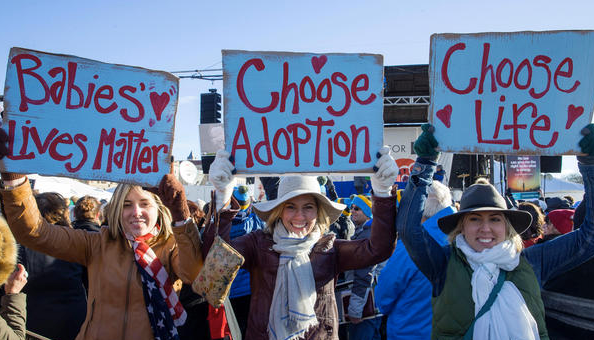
485,285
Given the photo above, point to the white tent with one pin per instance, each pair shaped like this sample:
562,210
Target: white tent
67,187
552,187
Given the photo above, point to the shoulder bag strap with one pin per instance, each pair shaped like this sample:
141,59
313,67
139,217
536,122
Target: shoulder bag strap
488,304
213,214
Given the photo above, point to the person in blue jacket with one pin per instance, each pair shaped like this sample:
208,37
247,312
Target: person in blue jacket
402,292
245,222
362,326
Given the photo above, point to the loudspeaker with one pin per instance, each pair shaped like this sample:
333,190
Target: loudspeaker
468,168
461,171
550,164
206,162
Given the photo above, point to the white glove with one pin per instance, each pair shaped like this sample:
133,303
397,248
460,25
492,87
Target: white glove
222,178
383,179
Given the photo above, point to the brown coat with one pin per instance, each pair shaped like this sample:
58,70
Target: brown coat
115,309
328,259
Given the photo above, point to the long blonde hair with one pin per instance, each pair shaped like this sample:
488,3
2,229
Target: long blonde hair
116,205
322,219
510,232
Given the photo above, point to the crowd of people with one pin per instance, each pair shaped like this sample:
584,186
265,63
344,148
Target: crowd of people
383,264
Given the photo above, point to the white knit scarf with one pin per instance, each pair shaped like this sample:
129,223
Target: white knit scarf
292,311
508,317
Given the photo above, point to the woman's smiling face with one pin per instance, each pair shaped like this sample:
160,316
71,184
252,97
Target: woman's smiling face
140,212
299,214
484,229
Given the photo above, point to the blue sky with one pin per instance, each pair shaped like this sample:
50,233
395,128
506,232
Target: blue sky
187,35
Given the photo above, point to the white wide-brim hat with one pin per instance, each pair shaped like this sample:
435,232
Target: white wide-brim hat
293,186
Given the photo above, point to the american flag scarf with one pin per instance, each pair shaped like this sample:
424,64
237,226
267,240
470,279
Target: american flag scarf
165,311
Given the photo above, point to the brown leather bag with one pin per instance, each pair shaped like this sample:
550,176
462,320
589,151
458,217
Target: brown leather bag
220,267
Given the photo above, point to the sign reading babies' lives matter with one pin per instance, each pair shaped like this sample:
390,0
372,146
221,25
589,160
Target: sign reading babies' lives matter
81,118
512,93
303,112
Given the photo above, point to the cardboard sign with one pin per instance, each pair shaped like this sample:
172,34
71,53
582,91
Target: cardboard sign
81,118
303,112
511,93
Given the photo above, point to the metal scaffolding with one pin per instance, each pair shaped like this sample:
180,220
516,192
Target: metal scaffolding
407,101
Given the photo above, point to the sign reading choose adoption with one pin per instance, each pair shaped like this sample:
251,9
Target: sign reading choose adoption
512,93
75,117
303,112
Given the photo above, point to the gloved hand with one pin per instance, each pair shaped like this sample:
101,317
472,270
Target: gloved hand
385,174
587,145
426,143
221,176
173,195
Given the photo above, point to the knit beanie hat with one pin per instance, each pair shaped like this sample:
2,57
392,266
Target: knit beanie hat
562,219
555,203
363,203
241,194
347,202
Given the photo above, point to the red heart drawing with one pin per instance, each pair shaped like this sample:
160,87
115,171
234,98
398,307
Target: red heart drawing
318,63
573,113
444,115
159,102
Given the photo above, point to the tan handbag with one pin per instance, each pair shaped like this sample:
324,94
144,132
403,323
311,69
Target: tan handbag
220,267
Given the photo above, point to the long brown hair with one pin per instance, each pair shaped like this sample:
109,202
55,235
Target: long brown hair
53,208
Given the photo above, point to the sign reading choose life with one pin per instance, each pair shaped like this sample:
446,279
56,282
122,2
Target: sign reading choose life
75,117
303,112
512,93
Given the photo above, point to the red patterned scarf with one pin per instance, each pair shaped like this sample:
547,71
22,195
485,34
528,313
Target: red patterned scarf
148,260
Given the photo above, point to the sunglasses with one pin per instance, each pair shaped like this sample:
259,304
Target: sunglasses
356,208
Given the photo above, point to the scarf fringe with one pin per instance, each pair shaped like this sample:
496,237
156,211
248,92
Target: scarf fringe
300,335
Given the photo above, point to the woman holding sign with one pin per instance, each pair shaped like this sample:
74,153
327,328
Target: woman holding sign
132,263
293,263
485,285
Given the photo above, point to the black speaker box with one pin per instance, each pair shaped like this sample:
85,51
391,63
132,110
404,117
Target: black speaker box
206,162
550,164
461,171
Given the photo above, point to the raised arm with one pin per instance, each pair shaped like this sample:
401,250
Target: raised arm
380,245
187,257
426,253
33,231
552,258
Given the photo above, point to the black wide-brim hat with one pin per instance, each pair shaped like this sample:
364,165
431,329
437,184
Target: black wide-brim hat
484,197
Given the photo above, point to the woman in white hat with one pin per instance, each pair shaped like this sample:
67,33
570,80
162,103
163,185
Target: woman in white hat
293,263
485,285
